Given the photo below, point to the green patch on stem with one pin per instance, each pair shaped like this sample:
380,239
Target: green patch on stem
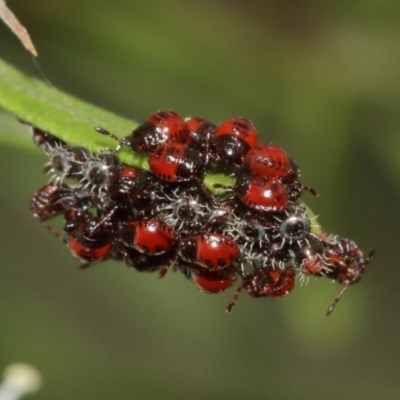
218,183
315,226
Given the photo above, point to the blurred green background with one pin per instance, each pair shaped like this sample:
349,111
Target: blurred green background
319,78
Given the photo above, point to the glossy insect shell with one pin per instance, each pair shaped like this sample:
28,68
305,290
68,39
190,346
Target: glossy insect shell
240,128
176,162
269,283
122,185
309,257
312,264
200,132
261,193
83,249
159,128
210,250
265,282
345,261
88,241
231,140
51,200
228,151
272,161
142,262
150,236
214,281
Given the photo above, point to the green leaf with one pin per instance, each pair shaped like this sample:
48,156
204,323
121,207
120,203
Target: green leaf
65,116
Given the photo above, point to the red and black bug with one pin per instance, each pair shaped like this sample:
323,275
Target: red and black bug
213,281
256,229
150,236
131,187
346,265
264,282
125,196
210,250
161,127
52,200
240,128
261,193
143,262
271,161
122,187
200,134
176,162
232,139
309,257
88,239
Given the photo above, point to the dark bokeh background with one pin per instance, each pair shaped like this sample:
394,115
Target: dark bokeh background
319,78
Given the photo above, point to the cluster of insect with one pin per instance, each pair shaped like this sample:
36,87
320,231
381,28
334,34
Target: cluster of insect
255,232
